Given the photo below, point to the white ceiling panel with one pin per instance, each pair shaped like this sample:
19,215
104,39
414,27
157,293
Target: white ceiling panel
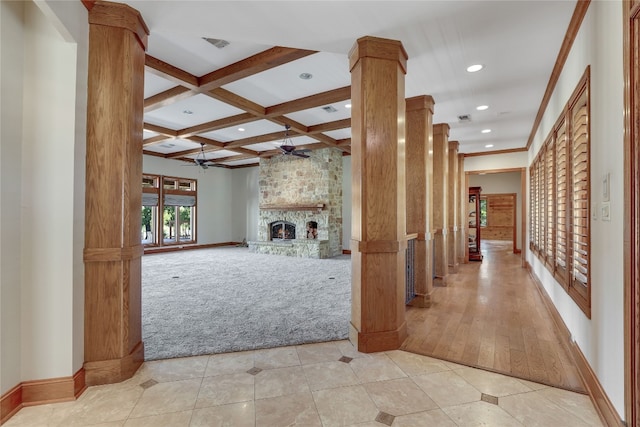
283,83
154,84
202,109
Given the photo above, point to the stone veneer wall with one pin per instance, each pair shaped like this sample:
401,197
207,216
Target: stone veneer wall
287,181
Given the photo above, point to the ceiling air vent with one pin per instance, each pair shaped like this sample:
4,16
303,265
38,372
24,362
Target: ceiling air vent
464,118
329,109
217,42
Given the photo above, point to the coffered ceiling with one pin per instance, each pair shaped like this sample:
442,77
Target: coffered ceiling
237,99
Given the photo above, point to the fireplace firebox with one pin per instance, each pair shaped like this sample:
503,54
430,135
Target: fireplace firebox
283,231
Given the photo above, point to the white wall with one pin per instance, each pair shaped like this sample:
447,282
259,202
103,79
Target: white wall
11,65
500,183
496,161
245,203
215,213
42,197
599,44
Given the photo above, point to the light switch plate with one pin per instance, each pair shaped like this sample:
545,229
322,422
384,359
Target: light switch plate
606,211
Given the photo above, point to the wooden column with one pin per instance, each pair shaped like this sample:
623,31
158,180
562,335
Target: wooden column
440,202
453,211
378,242
113,348
419,170
463,197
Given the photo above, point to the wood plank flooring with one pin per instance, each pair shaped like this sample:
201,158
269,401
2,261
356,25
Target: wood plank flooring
491,316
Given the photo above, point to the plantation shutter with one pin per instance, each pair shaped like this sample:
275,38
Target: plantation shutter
532,189
540,203
580,198
550,201
543,202
535,205
561,204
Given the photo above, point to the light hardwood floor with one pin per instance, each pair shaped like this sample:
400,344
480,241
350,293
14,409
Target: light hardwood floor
491,316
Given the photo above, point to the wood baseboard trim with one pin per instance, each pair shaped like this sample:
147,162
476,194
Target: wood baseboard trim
601,402
604,407
40,392
10,403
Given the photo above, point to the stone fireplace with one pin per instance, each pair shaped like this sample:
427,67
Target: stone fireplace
301,205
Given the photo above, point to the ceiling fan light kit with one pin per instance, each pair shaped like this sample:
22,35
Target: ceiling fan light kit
201,160
287,147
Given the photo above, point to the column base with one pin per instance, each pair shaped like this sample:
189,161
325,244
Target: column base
114,370
373,342
422,301
453,268
440,281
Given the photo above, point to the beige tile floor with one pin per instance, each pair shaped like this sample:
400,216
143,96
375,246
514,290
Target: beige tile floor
327,384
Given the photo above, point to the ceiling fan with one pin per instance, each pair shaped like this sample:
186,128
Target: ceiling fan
287,147
201,161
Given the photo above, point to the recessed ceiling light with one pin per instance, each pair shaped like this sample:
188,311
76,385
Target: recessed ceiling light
485,130
488,146
347,105
240,129
306,76
474,68
187,112
482,107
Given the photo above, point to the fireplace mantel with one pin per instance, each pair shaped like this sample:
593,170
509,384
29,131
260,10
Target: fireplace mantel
295,207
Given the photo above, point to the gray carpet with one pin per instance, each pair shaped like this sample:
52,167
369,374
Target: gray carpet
227,299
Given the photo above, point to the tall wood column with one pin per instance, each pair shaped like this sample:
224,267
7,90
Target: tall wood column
113,347
463,220
419,169
440,202
378,242
453,210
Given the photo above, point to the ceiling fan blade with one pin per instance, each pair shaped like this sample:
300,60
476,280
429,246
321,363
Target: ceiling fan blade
299,154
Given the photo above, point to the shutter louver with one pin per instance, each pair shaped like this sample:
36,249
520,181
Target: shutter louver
550,202
561,204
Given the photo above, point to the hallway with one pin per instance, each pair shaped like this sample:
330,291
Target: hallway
491,316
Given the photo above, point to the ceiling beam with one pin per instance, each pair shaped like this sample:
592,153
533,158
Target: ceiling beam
267,137
329,126
169,72
311,101
160,129
233,158
154,140
237,101
254,64
225,122
167,97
